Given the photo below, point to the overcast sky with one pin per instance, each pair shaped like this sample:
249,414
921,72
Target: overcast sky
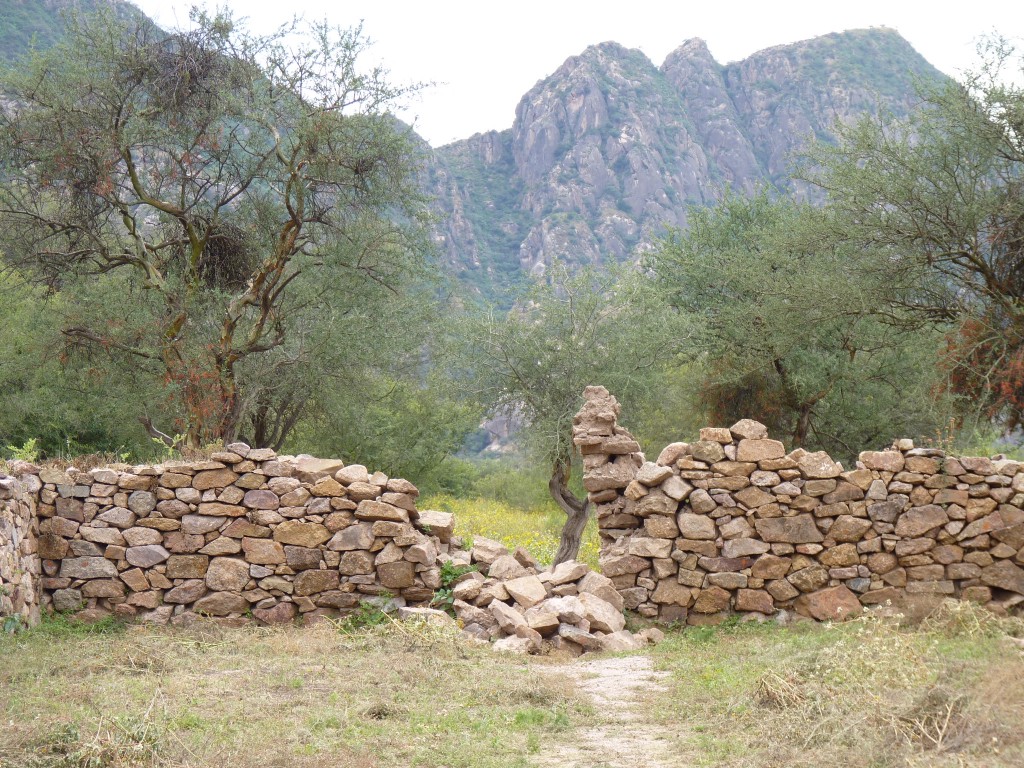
483,56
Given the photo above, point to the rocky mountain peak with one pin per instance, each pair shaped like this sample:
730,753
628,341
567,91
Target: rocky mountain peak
610,150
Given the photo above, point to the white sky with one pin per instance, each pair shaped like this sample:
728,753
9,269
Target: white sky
484,56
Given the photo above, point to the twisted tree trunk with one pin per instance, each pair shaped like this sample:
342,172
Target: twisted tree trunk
576,511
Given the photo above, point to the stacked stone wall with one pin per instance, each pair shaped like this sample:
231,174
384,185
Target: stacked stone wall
245,533
733,522
19,563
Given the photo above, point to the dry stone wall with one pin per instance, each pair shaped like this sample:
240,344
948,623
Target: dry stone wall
734,523
245,532
250,535
19,563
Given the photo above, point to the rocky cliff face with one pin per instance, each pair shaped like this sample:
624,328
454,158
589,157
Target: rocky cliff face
611,150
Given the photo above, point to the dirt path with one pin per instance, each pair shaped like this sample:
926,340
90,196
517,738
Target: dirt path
625,738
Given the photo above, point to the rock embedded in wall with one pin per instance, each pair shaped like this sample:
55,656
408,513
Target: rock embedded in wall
733,523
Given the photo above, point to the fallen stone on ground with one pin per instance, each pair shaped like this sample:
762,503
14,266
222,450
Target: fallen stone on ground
526,609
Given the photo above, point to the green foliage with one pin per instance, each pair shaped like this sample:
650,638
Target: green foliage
450,573
59,626
786,328
25,26
937,196
396,422
567,332
252,203
511,480
65,409
368,614
535,528
29,451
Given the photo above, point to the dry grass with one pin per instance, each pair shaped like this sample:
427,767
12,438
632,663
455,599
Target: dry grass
208,696
871,693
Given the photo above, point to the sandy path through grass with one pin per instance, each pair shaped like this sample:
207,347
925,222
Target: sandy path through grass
625,738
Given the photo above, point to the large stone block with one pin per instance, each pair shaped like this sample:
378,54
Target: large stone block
883,461
227,574
214,478
757,600
378,510
146,556
849,528
818,465
602,615
221,604
755,450
809,579
313,581
748,429
526,590
618,566
301,534
917,521
439,524
355,563
711,600
187,566
643,546
670,591
833,604
734,548
610,476
263,551
1004,575
799,529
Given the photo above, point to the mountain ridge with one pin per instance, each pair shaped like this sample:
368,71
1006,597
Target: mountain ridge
610,150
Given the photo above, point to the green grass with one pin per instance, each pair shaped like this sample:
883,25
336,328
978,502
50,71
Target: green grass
536,529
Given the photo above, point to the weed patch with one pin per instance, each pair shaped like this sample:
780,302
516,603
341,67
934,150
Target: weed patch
870,692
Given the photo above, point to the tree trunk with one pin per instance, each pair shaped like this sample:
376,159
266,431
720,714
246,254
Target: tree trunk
576,511
803,424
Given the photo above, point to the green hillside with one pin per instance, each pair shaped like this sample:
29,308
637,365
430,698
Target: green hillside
24,23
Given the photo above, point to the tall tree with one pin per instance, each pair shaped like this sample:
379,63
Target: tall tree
939,196
786,330
234,181
567,332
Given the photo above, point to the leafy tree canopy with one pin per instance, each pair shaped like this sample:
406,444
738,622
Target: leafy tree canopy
786,326
938,196
567,332
251,200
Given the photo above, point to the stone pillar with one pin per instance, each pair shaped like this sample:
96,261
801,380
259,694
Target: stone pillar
19,562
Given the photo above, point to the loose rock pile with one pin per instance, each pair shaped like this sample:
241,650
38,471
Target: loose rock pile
734,523
526,609
245,531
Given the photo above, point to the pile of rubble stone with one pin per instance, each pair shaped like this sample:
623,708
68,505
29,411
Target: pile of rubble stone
524,608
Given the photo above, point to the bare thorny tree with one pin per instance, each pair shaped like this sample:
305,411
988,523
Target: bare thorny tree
215,173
